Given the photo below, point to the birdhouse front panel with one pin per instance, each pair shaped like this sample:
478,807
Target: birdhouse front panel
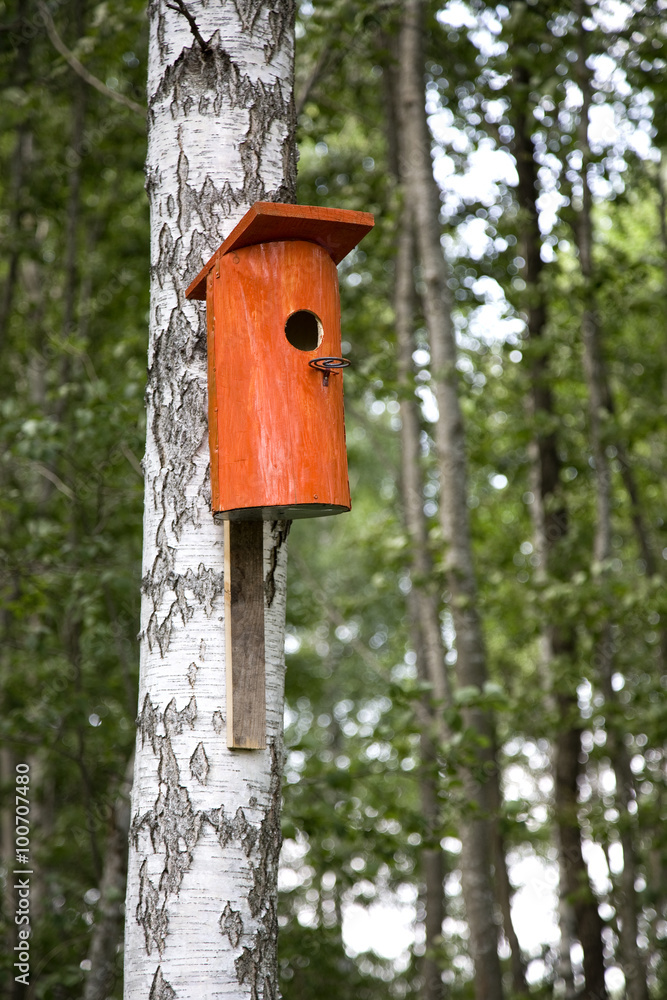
277,431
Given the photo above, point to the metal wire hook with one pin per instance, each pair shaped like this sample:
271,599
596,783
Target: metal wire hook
328,366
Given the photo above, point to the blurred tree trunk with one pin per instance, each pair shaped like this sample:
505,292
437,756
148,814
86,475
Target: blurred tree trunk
424,612
20,73
421,194
107,931
662,210
205,832
600,421
551,525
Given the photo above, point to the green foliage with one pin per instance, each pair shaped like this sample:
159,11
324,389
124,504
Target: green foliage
361,575
74,287
73,279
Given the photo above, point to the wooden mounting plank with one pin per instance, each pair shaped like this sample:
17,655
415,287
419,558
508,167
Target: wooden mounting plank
244,635
336,230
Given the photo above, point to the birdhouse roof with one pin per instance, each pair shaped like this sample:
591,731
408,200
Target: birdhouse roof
336,230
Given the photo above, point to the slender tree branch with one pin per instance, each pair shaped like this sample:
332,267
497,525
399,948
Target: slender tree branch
79,68
180,8
132,459
53,478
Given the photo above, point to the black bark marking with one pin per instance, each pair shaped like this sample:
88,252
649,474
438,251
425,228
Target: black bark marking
161,25
199,766
218,722
166,246
279,531
247,11
191,76
245,832
200,247
192,674
154,584
280,21
187,196
150,914
173,825
206,585
223,827
175,720
257,964
160,634
180,424
160,988
148,722
268,105
231,924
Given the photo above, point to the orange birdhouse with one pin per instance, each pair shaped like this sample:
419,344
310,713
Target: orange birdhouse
276,422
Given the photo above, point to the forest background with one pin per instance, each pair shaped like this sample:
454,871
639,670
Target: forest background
548,140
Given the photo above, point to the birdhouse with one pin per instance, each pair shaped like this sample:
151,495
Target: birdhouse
275,408
276,423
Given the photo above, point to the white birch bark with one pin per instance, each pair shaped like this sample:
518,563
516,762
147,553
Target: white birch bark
205,833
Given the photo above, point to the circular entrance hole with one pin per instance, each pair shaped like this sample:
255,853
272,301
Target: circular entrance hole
303,330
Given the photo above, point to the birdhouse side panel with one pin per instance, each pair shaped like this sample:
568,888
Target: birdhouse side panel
254,462
212,394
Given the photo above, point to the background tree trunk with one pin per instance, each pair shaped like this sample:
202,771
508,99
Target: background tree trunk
205,830
600,420
422,198
550,521
423,603
107,931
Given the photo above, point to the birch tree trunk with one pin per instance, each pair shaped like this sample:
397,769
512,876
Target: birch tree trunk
205,834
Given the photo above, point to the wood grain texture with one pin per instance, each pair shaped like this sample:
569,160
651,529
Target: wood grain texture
244,635
336,230
280,429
